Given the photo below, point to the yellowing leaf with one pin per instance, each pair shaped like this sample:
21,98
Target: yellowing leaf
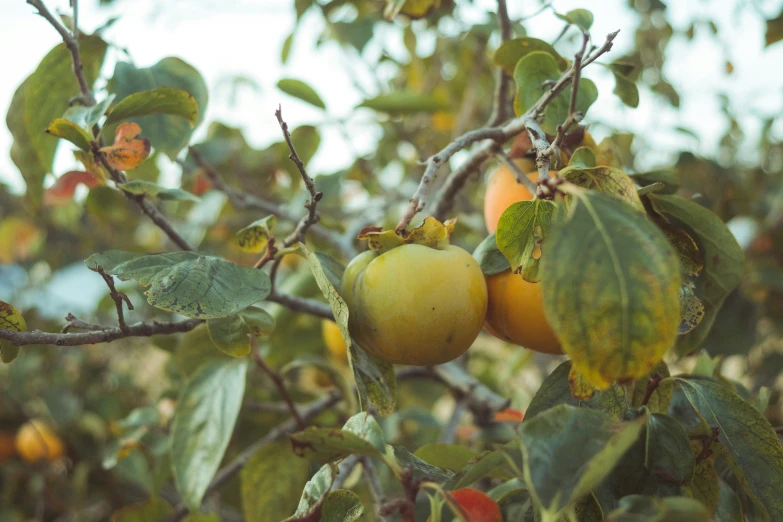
10,319
68,130
581,389
254,237
608,180
62,191
128,151
431,233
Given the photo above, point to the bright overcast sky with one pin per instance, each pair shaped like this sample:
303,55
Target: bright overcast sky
222,38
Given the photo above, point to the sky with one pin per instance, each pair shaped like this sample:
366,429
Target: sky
224,38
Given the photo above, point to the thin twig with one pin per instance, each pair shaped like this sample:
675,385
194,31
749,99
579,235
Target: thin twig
244,201
573,116
118,298
344,470
301,304
376,489
521,177
312,216
97,336
232,468
503,81
652,385
706,450
449,432
500,134
269,254
71,41
277,380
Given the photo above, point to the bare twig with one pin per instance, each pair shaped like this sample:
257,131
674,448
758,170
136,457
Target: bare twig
344,470
243,201
573,116
503,81
97,336
521,177
232,468
277,380
449,432
71,41
376,489
706,450
312,216
118,298
498,135
269,254
302,304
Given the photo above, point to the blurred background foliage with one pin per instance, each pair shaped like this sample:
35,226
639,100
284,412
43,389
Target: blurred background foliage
111,404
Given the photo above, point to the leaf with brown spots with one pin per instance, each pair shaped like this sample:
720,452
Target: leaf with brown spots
10,319
129,150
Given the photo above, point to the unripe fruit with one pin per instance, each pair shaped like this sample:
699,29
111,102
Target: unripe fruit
415,304
36,441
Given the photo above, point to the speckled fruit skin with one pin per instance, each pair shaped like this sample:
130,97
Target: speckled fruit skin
414,304
515,313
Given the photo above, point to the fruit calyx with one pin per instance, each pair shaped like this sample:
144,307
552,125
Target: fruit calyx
431,233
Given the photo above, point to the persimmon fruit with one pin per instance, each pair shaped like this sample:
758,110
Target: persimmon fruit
477,505
334,340
36,441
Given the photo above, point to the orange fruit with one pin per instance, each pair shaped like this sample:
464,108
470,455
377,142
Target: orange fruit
36,441
477,505
334,340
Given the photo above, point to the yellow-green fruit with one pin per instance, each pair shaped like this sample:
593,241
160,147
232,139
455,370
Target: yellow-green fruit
36,441
334,340
414,304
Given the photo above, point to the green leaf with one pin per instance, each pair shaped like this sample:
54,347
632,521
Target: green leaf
333,268
555,390
662,395
167,133
86,117
626,90
607,180
315,491
10,319
286,50
618,314
582,18
752,446
477,468
201,517
299,89
69,131
271,481
729,507
774,31
375,379
523,226
567,451
724,261
188,283
230,333
515,486
361,435
341,505
306,139
669,178
42,98
161,100
420,468
138,186
254,237
153,510
402,102
451,457
705,485
206,413
511,51
490,259
532,73
583,157
668,449
671,509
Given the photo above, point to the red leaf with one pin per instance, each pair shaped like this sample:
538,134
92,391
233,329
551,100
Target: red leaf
509,415
62,191
129,151
477,505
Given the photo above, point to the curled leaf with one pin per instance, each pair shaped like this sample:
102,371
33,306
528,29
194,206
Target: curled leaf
254,237
431,233
129,151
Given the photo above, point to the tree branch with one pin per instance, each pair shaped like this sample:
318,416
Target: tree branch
118,298
71,41
232,468
498,135
376,489
277,380
97,336
245,201
449,432
500,104
302,304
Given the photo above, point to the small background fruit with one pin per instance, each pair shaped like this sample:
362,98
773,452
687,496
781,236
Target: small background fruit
36,441
334,340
